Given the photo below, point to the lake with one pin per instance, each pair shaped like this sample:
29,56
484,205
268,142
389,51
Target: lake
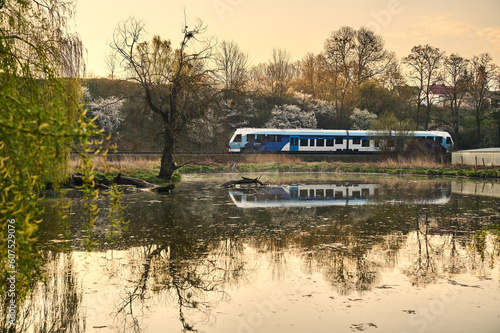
307,253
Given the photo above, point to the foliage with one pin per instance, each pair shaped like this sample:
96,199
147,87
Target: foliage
375,98
479,243
362,119
107,110
33,119
41,121
291,116
354,71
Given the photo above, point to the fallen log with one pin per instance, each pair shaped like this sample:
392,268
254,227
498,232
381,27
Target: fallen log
164,189
77,180
244,180
123,180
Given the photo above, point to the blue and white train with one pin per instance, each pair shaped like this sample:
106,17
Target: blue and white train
327,141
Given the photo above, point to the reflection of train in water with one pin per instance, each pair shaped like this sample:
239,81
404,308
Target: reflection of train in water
330,195
328,141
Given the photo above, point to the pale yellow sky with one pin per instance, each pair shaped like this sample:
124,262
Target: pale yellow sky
455,26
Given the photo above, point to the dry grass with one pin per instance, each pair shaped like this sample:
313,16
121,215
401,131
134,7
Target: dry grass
407,163
130,164
124,164
272,158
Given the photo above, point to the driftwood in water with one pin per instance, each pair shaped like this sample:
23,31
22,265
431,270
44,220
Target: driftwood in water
164,189
244,180
122,180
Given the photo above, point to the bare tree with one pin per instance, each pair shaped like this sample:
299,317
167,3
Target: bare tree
339,49
111,62
174,81
424,63
279,72
371,56
457,80
354,56
232,66
309,73
483,72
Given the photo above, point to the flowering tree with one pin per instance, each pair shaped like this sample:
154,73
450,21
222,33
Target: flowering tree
291,116
361,119
107,110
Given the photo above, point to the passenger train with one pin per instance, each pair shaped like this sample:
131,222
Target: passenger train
327,141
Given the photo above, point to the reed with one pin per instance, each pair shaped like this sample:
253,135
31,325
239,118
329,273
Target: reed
407,163
124,164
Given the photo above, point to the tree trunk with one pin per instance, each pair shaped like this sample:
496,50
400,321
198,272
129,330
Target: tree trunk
478,129
167,167
418,113
428,116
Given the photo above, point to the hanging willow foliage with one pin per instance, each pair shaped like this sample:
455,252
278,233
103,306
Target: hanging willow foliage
41,121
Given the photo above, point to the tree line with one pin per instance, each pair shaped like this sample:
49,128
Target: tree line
201,88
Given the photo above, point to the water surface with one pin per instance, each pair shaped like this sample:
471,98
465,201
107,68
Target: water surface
305,254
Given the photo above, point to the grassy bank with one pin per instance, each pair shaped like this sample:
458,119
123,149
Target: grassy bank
147,169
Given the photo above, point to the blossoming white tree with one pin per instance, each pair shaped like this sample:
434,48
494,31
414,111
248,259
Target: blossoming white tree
291,116
107,110
361,119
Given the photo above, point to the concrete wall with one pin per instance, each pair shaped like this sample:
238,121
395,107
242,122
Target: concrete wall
479,157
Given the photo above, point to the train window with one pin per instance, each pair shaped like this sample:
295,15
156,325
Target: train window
320,142
312,142
271,138
250,137
377,143
391,143
329,142
278,138
261,137
303,193
448,141
237,138
338,194
320,193
339,140
329,193
356,140
365,143
304,142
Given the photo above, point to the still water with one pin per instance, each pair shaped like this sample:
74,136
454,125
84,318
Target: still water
305,254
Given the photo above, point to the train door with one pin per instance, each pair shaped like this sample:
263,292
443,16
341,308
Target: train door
294,143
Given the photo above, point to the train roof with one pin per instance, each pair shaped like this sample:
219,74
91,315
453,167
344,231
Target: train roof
309,131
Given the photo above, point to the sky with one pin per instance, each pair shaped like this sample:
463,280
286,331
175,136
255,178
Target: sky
458,26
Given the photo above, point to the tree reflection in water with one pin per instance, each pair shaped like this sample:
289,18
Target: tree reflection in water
186,251
186,270
53,305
